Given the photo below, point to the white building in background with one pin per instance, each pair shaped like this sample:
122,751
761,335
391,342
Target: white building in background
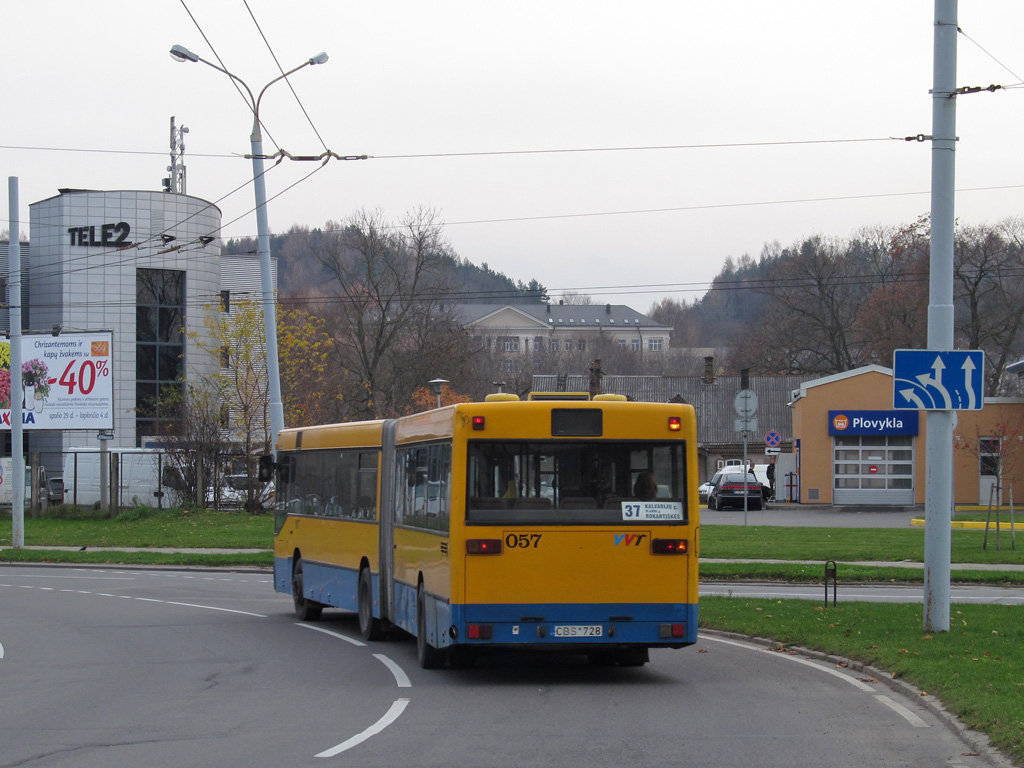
564,327
143,265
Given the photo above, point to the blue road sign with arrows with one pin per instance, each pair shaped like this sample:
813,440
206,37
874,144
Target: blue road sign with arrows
932,380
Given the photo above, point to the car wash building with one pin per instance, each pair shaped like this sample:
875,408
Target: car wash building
853,448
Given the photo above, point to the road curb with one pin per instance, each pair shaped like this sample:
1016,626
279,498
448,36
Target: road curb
918,522
975,740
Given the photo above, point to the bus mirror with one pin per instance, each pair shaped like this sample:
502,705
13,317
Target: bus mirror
266,469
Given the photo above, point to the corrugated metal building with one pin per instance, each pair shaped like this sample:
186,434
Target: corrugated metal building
713,398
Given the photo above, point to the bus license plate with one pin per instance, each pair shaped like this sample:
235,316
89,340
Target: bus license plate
579,630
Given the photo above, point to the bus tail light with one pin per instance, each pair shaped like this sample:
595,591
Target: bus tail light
483,546
666,631
478,423
674,423
479,631
668,546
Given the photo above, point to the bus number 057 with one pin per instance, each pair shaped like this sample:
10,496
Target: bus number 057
522,540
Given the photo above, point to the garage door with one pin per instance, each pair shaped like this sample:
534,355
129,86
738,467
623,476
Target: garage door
873,469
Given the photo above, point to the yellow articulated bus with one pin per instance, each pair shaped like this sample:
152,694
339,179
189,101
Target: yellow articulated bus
557,525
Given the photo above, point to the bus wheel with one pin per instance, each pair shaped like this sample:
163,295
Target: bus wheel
306,610
428,656
369,627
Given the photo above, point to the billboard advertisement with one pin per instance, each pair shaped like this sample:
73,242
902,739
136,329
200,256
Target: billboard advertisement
67,381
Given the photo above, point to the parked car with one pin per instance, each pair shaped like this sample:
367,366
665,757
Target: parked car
704,489
727,490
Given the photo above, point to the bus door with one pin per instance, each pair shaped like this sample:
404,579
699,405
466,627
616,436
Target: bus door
386,522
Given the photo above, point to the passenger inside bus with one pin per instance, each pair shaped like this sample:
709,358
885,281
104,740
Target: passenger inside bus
645,486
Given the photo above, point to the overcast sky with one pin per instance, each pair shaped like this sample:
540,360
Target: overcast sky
806,95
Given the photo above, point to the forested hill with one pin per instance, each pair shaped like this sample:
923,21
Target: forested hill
298,269
826,305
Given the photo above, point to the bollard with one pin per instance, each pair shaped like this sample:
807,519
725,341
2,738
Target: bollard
830,573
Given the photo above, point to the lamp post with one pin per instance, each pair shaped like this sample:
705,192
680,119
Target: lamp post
437,387
180,53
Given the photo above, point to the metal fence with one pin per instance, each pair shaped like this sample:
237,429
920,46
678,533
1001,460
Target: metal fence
123,479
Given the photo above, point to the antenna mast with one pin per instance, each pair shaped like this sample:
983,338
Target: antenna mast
175,180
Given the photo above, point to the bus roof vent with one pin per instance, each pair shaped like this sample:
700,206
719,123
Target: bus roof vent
609,397
501,397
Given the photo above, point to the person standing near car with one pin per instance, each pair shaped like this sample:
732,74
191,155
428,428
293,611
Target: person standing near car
771,477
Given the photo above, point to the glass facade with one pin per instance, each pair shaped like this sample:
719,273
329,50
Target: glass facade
159,344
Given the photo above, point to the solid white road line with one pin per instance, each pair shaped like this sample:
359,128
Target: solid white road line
907,715
896,707
214,608
338,635
389,717
401,678
817,665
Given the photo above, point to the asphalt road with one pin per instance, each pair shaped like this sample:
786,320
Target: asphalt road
106,667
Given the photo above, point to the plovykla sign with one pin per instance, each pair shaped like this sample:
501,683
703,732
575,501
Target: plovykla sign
872,423
67,381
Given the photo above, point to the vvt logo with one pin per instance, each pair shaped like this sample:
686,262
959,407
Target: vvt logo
629,539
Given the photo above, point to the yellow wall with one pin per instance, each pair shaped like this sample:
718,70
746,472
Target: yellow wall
872,390
1002,416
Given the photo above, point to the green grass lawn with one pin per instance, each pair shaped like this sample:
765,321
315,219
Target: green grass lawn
976,668
847,574
846,544
145,527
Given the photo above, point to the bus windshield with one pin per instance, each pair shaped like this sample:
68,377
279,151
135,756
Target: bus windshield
587,482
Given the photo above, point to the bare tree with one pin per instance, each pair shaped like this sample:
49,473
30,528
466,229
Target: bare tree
192,437
388,286
988,291
813,295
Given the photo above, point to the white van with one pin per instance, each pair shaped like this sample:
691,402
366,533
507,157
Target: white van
138,470
7,487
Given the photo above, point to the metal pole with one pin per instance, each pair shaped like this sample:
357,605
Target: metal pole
17,429
267,286
744,477
939,444
104,474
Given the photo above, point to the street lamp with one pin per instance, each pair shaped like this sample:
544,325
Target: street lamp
180,53
437,387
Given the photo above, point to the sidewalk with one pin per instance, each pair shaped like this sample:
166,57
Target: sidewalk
882,564
162,550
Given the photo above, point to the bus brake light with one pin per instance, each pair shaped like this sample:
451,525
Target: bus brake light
483,546
668,546
479,631
478,423
672,630
674,423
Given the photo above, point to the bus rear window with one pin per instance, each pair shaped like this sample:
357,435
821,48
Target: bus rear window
576,482
577,422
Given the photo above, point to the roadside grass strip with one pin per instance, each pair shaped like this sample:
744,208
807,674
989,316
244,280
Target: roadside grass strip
976,668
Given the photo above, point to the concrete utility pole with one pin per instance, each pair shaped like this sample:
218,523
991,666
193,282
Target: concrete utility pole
17,478
939,469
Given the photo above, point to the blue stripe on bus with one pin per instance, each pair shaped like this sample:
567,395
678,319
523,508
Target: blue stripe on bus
331,585
512,624
517,624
